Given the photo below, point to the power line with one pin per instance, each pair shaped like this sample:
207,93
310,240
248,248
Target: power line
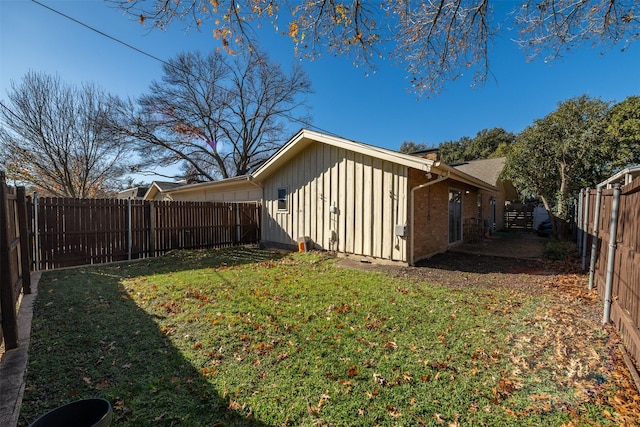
102,33
306,124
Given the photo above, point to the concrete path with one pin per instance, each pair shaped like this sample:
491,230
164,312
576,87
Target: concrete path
506,244
13,364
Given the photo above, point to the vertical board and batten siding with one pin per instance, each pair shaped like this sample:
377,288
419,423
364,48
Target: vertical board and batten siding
369,195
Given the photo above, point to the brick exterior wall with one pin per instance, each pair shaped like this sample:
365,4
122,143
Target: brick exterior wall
431,207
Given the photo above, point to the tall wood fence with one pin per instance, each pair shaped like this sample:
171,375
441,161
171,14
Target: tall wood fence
15,275
74,232
625,246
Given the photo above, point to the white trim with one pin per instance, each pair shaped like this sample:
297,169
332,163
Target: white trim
306,137
287,198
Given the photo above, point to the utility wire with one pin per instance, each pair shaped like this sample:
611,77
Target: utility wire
306,124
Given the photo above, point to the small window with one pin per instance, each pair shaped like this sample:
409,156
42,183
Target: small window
282,199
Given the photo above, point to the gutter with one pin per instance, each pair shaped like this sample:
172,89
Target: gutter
413,216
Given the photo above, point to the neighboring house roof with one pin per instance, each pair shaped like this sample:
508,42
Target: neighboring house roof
488,170
305,137
221,184
133,192
625,176
160,187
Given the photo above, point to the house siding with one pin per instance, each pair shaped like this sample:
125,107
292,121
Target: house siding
370,196
249,194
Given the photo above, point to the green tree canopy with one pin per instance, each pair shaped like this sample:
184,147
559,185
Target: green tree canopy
624,127
486,144
410,147
565,151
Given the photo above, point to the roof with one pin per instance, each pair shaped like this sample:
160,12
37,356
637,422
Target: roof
133,192
487,170
306,137
219,184
164,185
625,176
159,187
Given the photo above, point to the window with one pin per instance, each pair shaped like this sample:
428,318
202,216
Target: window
283,204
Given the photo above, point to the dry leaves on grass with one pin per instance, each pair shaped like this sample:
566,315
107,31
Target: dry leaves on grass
575,350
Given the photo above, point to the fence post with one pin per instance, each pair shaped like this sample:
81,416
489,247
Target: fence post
238,227
23,229
36,234
152,229
585,227
129,232
7,292
613,231
594,237
578,221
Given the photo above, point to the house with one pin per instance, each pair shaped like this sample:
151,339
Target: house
488,170
366,201
158,189
136,193
236,189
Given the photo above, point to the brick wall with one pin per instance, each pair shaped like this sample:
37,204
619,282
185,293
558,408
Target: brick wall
431,215
431,233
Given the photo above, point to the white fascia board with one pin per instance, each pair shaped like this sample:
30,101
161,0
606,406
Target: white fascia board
223,183
306,137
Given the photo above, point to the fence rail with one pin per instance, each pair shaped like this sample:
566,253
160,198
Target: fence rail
518,217
614,260
74,232
15,277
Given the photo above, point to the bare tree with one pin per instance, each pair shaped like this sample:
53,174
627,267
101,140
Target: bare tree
54,137
219,116
437,41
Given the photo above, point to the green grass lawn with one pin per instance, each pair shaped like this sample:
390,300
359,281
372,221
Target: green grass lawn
246,337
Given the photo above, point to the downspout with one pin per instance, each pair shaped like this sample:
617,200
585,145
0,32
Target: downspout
594,237
613,231
413,221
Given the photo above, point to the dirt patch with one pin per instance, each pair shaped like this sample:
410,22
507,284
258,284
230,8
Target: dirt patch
459,269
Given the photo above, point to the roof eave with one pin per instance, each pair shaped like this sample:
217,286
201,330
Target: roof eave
305,137
463,177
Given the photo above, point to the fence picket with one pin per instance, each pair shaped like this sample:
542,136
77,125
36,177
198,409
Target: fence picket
92,231
625,309
14,265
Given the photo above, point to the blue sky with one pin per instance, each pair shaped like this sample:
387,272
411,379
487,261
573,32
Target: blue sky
377,109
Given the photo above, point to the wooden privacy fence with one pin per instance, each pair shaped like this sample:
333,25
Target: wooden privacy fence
615,246
90,231
15,275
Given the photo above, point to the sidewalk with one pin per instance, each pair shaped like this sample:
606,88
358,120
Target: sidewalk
14,362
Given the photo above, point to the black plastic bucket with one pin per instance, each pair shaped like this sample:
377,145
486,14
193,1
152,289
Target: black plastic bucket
81,413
